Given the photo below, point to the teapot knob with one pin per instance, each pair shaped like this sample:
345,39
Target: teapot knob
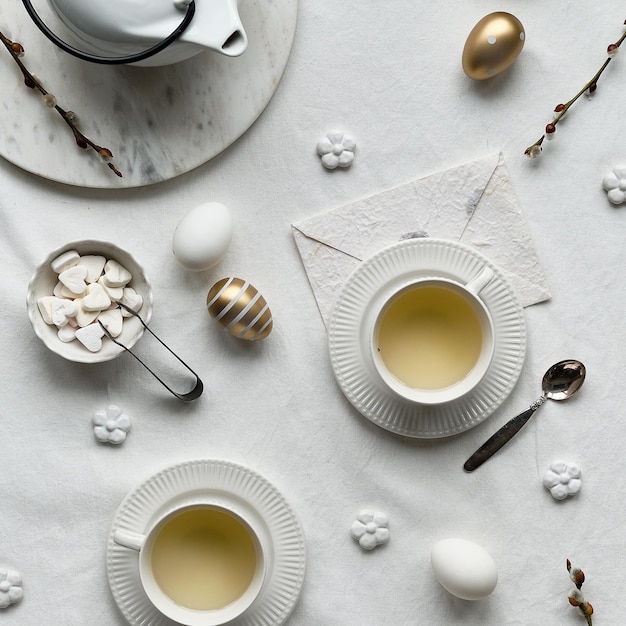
182,4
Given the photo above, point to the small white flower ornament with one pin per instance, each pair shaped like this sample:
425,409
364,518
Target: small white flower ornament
111,425
336,150
562,480
10,587
370,529
615,185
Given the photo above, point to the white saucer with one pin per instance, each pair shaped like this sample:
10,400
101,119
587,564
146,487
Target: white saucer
352,318
184,481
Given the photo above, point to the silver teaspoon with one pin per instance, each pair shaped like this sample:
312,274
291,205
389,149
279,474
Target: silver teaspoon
560,382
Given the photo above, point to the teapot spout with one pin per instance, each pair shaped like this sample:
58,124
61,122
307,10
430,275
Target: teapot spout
217,25
235,44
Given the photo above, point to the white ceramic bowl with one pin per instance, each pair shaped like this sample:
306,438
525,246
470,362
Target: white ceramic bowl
44,280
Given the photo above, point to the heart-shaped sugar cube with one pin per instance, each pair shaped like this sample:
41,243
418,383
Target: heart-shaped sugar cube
74,279
96,298
115,275
91,336
83,316
55,310
65,261
94,264
66,333
131,299
112,320
62,311
115,293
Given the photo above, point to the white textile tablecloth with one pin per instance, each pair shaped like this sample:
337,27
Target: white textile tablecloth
389,75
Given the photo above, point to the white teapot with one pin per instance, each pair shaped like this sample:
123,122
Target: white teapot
121,31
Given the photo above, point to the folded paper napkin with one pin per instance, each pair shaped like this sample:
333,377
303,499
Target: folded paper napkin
473,203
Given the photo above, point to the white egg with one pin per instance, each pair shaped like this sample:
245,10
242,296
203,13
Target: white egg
203,236
464,568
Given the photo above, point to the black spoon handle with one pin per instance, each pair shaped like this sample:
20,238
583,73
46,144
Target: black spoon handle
502,436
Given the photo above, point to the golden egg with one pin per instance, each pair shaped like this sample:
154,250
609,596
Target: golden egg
492,45
240,309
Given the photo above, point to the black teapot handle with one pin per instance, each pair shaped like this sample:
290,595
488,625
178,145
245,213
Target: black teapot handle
104,60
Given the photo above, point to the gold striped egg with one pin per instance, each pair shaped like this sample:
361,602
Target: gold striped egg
240,309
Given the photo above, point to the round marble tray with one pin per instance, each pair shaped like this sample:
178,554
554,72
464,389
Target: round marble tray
158,122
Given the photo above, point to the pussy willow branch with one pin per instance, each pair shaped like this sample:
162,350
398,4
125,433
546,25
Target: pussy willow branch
561,109
576,597
16,50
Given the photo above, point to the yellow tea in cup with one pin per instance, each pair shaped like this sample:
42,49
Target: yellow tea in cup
204,558
429,337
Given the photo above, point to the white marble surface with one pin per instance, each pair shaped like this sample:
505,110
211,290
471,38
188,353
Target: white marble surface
389,75
159,122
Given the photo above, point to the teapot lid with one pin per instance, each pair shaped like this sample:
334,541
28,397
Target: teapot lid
189,5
